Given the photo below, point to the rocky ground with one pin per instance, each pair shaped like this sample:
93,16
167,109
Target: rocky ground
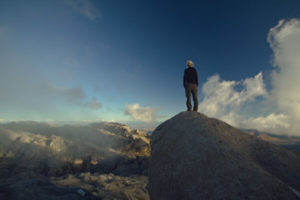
105,160
96,161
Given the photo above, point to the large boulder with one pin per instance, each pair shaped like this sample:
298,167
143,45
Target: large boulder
196,157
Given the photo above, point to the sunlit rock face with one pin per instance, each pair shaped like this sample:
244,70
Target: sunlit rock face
33,153
196,157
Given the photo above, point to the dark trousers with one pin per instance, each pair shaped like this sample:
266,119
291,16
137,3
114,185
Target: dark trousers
191,90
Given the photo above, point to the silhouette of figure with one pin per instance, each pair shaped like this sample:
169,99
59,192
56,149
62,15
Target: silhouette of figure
190,83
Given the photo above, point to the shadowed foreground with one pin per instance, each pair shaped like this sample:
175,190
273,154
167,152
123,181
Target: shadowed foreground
196,157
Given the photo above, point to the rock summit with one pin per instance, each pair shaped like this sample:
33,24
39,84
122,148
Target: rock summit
196,157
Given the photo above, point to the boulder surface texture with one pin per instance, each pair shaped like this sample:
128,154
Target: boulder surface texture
196,157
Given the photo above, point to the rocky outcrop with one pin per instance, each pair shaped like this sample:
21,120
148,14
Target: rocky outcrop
36,154
56,151
196,157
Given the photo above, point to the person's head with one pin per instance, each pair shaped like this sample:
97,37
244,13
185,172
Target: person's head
189,63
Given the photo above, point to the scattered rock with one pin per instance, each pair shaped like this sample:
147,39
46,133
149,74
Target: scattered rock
107,186
73,157
81,192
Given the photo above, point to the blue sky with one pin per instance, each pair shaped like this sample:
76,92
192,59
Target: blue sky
84,60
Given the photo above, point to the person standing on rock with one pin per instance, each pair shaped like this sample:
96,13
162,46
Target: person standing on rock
190,83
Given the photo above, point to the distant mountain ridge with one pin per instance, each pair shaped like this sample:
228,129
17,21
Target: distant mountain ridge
289,142
256,132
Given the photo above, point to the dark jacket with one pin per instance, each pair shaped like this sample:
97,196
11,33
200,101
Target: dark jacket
190,76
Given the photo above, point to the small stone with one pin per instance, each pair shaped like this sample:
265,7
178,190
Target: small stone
81,192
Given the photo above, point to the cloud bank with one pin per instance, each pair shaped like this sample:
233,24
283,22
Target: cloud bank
69,94
139,113
226,99
85,8
94,104
27,96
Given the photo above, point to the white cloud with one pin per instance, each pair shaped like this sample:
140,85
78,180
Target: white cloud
273,123
220,96
85,8
139,113
284,40
276,123
224,101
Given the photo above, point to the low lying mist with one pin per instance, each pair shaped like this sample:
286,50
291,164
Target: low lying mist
52,150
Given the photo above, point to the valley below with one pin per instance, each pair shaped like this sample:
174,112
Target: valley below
95,161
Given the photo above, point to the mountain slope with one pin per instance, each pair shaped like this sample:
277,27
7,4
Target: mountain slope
196,157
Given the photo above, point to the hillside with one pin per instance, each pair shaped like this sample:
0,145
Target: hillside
196,157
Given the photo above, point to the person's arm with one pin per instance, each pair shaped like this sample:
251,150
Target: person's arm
196,75
184,79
